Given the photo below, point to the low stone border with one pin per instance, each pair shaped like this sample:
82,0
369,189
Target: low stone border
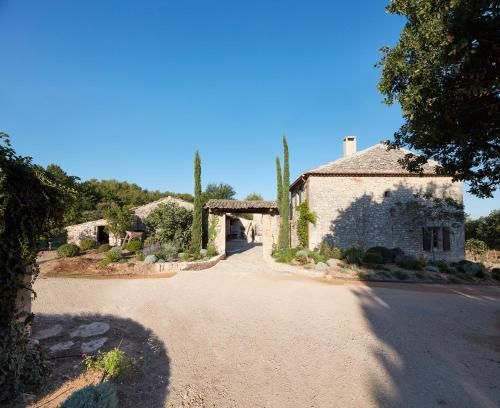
163,267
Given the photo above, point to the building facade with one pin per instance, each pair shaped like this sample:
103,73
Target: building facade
367,199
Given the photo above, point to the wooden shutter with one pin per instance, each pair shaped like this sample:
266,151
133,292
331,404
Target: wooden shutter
426,238
446,239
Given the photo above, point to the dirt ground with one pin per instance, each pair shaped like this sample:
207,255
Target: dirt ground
239,335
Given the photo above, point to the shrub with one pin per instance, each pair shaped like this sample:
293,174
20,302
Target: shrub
372,258
150,259
470,268
495,274
114,363
476,248
316,257
306,216
68,251
442,266
172,223
104,248
151,240
133,246
330,252
113,255
401,275
285,255
140,256
93,396
411,263
168,252
396,254
87,244
386,254
354,255
301,256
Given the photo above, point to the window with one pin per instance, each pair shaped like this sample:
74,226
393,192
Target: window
387,193
436,238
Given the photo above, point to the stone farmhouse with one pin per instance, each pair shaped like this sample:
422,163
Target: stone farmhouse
95,230
355,200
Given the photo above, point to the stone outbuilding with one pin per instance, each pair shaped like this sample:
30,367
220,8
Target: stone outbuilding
358,200
95,230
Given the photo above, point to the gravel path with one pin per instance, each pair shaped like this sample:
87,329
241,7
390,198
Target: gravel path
238,335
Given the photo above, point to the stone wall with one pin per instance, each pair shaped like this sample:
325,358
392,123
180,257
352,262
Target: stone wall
356,211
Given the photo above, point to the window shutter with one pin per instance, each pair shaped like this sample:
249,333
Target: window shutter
426,236
446,239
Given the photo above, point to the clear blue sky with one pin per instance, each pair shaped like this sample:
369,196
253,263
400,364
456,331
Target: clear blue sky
129,89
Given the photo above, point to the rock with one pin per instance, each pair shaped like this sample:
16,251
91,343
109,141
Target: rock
334,262
431,268
65,345
92,329
48,333
321,266
150,259
93,345
203,252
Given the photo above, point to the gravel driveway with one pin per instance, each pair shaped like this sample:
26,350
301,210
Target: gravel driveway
238,335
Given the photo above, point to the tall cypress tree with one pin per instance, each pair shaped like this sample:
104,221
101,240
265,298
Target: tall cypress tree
279,183
284,237
196,229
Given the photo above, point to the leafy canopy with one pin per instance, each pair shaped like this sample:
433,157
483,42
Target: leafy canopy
220,191
444,74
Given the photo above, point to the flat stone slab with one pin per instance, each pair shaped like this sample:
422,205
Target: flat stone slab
91,329
93,345
48,333
65,345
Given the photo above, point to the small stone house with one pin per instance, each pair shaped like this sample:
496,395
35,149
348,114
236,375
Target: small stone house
95,230
358,200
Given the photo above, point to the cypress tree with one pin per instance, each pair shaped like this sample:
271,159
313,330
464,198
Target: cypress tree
284,237
196,229
279,183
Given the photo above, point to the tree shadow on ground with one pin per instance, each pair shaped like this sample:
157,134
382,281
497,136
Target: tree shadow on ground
148,385
432,350
238,246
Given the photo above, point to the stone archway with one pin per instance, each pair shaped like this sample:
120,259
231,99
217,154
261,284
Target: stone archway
270,220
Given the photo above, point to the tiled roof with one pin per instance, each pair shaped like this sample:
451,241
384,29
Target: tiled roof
375,159
236,205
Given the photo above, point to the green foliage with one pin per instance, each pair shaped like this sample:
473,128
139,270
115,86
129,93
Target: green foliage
302,256
213,226
112,256
151,240
444,74
306,216
168,252
442,265
387,255
401,275
172,223
284,234
354,256
133,246
219,191
254,197
411,263
317,257
329,252
29,201
485,229
150,259
372,258
104,248
495,274
93,396
279,183
68,251
196,228
119,220
115,363
87,244
140,256
285,255
476,248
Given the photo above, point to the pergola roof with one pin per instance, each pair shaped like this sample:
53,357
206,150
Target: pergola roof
236,206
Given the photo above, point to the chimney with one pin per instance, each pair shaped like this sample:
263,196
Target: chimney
349,145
